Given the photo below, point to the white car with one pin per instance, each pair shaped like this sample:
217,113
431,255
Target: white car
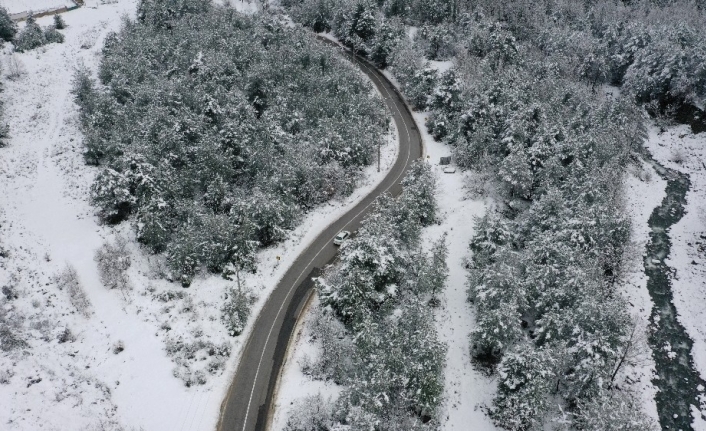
449,170
342,235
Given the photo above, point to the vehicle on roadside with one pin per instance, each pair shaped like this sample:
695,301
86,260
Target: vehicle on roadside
342,235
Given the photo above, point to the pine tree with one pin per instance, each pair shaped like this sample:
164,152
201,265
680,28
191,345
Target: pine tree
30,37
8,28
51,35
59,23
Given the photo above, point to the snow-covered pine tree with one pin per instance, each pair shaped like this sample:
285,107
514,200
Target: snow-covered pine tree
30,37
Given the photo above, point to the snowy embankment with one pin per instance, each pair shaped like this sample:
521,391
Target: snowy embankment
36,6
106,368
644,191
466,391
679,149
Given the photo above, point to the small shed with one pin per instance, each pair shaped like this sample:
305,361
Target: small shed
445,160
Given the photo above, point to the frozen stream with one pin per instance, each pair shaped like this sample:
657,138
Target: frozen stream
678,381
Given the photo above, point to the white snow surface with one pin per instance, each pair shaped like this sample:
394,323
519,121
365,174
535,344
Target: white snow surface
47,223
679,149
466,391
19,6
441,66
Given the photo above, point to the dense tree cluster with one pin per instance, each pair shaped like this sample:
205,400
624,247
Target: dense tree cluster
33,36
522,104
8,28
215,131
652,49
376,326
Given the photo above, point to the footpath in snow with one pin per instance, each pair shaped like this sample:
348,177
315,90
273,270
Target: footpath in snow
123,363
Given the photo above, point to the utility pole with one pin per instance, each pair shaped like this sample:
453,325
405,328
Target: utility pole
378,155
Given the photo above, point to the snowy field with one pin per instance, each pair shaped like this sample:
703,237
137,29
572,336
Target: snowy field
19,6
466,391
106,368
679,149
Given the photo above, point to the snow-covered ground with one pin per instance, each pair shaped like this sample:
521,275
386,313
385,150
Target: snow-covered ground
80,379
679,149
19,6
466,390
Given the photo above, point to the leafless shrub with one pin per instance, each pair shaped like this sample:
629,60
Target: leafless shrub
157,265
186,354
168,295
15,68
113,261
68,280
89,38
105,425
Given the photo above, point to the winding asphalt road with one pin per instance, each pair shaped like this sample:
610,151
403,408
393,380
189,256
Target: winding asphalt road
249,399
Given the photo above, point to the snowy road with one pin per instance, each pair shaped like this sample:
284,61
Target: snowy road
247,404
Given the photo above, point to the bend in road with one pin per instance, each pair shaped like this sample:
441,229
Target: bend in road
249,397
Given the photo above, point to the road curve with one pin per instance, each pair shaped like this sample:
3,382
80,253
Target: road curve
249,399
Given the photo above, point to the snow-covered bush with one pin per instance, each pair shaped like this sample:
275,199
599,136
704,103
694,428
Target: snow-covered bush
312,413
118,347
236,309
110,192
30,37
615,410
52,35
113,260
336,359
65,335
